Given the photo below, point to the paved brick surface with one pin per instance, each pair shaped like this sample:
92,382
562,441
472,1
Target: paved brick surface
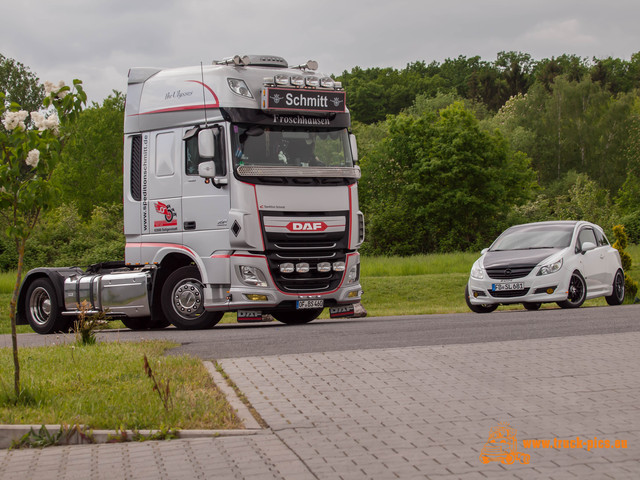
428,411
419,412
262,456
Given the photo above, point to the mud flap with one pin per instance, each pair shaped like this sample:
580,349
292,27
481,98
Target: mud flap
342,311
249,316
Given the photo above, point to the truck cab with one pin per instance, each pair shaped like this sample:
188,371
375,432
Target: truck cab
240,195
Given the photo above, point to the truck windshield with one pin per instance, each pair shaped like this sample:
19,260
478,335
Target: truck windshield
298,147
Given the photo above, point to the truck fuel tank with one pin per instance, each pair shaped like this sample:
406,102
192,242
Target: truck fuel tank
117,293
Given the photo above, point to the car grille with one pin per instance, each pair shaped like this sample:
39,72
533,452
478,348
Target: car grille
509,293
501,273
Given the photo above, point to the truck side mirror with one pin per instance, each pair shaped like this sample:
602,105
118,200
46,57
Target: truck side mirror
206,144
207,169
354,147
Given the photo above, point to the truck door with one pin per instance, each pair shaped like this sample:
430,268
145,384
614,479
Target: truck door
162,207
205,206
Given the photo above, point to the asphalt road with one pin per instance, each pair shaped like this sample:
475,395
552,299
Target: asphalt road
242,340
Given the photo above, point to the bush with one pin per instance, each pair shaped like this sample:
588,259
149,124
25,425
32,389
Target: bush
64,239
8,255
631,224
630,287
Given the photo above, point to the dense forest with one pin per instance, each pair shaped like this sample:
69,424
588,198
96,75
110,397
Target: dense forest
451,153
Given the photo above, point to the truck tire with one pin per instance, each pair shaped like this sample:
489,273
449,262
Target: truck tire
297,317
42,309
182,300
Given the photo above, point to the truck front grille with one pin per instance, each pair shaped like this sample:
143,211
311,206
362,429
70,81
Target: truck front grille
311,248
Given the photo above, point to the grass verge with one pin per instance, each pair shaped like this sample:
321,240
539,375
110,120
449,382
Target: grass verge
104,386
422,284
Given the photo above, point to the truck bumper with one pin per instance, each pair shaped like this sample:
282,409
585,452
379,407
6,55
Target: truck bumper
262,293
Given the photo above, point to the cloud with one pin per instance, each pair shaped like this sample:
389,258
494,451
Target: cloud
99,40
565,33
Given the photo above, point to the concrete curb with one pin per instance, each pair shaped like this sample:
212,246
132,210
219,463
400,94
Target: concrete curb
76,435
241,409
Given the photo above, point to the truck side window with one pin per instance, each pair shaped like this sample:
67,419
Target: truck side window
193,159
136,167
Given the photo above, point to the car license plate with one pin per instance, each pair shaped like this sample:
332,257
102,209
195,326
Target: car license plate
302,304
505,287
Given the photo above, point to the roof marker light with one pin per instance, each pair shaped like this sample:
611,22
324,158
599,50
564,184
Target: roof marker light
327,82
297,81
281,79
312,81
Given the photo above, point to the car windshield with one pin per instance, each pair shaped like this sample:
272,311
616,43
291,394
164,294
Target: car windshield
534,236
298,147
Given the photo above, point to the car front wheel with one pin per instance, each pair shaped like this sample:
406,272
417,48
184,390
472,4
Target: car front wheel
482,308
617,294
577,292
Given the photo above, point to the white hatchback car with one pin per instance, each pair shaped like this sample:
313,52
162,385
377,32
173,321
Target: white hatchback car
566,262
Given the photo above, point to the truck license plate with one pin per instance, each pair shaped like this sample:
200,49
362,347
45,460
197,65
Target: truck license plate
504,287
302,304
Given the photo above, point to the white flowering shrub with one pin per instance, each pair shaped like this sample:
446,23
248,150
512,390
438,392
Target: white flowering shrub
28,155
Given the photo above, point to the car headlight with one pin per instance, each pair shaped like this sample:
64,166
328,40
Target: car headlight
550,268
477,272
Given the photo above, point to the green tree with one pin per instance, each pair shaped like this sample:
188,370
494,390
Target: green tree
93,158
515,69
572,67
577,126
28,157
440,182
19,84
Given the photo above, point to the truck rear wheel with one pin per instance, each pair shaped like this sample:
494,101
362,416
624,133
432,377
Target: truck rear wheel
42,309
183,300
297,317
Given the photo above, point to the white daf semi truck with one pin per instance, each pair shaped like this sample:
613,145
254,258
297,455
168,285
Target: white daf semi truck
240,195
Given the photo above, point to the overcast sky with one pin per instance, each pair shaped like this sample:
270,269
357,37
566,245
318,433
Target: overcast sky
98,41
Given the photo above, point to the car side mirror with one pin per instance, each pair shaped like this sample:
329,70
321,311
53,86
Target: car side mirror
587,246
484,250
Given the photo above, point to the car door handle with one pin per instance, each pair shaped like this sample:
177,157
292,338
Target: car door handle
189,225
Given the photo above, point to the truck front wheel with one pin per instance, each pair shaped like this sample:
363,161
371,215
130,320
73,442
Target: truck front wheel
183,300
42,309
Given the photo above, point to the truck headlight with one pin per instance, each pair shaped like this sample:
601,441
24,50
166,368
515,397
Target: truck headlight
550,268
252,276
352,276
